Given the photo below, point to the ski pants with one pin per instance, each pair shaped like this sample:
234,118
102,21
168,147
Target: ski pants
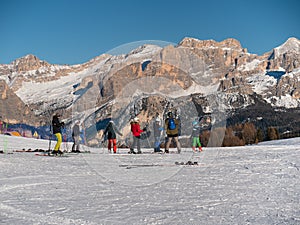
157,143
112,143
59,141
176,140
196,142
76,143
136,142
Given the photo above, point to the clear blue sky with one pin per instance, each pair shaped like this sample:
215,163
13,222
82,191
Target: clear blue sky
75,31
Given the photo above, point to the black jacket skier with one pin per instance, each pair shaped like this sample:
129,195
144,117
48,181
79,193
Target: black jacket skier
56,127
110,133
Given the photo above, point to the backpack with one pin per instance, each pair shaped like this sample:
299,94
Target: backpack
171,124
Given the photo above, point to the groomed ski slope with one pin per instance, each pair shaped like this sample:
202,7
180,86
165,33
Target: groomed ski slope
240,185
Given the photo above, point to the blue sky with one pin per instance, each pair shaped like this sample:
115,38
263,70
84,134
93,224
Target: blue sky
75,31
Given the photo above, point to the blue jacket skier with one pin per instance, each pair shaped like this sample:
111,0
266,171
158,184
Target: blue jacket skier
172,125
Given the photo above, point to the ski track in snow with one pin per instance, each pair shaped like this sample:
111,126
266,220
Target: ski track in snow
256,184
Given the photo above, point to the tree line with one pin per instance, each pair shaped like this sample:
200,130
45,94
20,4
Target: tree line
239,135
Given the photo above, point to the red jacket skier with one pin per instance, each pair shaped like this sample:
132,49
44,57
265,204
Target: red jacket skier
136,132
136,128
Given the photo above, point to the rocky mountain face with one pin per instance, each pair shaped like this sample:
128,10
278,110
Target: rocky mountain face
151,80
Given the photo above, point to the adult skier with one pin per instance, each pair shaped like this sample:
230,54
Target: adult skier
56,127
110,134
76,137
172,131
136,132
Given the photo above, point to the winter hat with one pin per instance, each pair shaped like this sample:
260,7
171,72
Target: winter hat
157,119
136,119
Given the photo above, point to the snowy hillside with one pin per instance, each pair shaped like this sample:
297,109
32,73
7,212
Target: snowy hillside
241,185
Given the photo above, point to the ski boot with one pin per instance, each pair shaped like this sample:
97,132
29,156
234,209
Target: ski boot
131,151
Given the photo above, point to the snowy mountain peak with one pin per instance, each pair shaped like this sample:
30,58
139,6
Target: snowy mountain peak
291,45
29,62
27,58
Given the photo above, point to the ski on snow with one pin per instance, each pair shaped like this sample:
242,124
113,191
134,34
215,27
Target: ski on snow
131,166
52,155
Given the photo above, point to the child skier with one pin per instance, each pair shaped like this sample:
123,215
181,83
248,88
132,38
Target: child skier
111,131
196,136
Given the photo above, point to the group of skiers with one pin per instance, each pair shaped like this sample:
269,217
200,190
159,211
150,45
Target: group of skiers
172,127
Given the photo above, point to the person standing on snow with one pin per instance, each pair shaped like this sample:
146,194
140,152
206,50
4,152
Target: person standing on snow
157,133
76,137
196,136
172,131
56,127
110,134
136,132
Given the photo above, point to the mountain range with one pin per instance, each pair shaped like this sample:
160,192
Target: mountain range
195,77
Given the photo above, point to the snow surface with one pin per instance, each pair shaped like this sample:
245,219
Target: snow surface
240,185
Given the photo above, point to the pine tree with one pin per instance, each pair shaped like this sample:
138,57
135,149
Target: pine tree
273,133
259,136
249,133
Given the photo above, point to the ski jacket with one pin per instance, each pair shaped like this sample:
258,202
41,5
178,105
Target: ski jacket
76,131
174,131
136,129
196,129
56,125
111,131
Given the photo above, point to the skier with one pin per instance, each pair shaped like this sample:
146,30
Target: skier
56,126
136,132
76,137
110,134
196,136
172,131
157,133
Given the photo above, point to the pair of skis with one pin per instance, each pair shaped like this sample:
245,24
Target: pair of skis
132,166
